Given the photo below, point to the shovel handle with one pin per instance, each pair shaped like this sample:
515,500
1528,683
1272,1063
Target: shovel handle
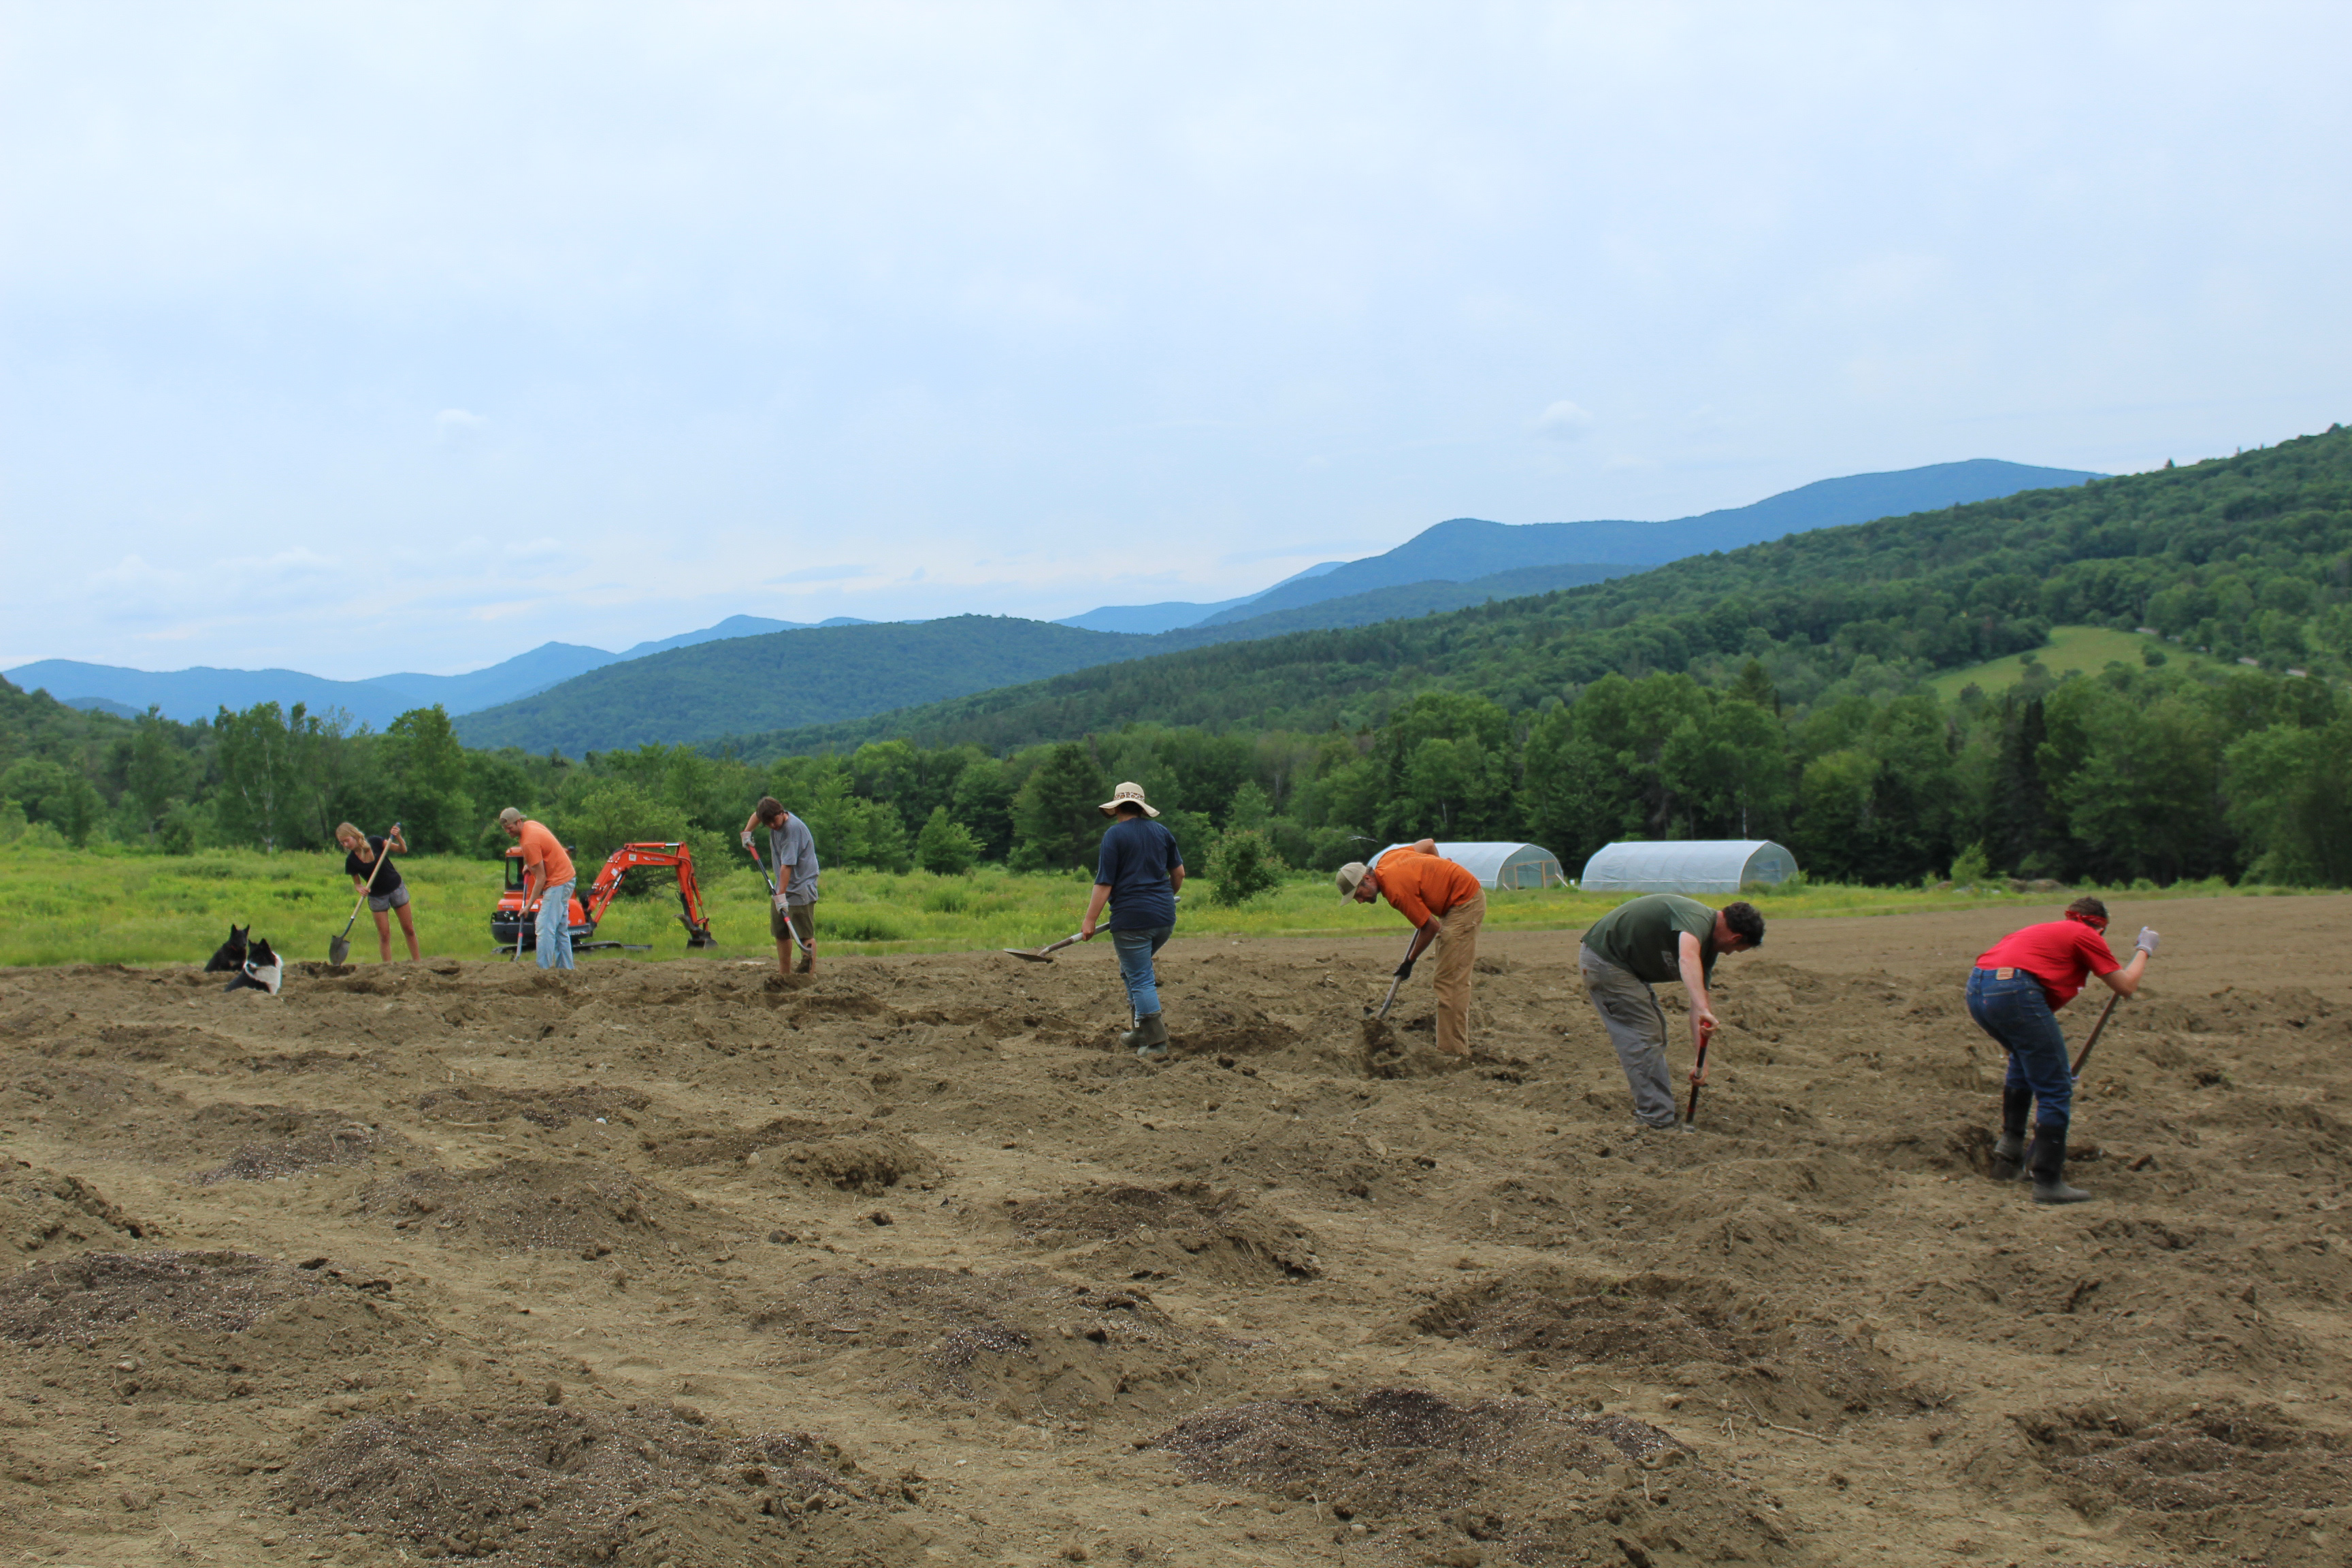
354,918
2105,1013
1706,1037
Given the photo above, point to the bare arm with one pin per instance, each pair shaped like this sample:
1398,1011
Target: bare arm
395,842
2125,980
1702,1012
1426,846
1094,911
1176,878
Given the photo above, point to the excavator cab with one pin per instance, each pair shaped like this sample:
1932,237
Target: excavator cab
510,923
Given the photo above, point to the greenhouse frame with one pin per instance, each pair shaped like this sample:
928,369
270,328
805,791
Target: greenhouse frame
1503,864
1686,866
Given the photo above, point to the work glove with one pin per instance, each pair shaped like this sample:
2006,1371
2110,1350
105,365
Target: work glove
1404,970
747,838
2148,939
780,905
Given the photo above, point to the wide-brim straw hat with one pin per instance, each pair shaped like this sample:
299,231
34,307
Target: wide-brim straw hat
1350,877
1129,794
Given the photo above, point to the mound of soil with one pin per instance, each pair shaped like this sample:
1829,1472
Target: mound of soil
851,1159
198,1329
40,1208
541,1108
1492,1470
2245,1480
86,1298
1186,1227
99,1108
1704,1334
285,1142
554,1484
1230,1028
1023,1342
585,1207
1388,1052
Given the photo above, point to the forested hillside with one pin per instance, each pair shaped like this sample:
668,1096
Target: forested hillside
723,688
2246,556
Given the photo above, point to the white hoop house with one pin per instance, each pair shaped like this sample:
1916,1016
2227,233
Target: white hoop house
1503,864
1687,866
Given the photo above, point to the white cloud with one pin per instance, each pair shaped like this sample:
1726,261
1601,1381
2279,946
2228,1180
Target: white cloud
1563,421
458,426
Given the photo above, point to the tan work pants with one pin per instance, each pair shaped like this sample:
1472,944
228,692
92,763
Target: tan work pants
1457,949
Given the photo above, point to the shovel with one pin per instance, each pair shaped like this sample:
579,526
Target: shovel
2113,998
1046,954
1389,1000
1690,1116
341,948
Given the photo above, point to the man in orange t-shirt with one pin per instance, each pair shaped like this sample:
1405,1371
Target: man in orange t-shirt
547,882
1446,905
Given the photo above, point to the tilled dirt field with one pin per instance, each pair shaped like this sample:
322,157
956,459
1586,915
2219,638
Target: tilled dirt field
683,1263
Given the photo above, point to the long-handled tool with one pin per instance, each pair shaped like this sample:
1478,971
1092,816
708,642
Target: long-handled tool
341,948
2105,1013
1389,1000
1046,954
790,929
1690,1116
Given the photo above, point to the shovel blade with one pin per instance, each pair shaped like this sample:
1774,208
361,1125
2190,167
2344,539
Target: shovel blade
1041,955
338,951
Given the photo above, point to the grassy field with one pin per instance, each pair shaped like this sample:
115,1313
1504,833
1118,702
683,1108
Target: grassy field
60,906
2086,648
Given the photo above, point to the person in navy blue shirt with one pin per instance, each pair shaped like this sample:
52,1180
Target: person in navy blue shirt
1136,873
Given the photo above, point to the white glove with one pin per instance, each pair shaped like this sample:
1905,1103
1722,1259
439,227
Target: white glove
780,905
747,838
2148,939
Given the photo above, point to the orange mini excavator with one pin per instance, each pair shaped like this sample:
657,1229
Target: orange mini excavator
511,923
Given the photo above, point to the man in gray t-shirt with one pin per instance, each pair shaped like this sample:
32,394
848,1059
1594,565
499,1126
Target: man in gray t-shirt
791,850
1644,942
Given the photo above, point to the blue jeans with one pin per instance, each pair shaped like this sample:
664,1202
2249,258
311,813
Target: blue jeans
555,928
2015,1013
1135,949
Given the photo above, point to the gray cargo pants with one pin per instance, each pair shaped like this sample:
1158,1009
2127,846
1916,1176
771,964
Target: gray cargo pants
1629,1011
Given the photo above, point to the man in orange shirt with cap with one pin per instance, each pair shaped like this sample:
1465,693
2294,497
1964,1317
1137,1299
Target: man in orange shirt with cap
546,887
1446,905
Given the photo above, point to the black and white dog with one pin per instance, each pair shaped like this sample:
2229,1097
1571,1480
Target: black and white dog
261,970
229,956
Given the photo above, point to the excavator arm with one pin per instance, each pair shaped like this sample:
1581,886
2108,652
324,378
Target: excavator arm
673,857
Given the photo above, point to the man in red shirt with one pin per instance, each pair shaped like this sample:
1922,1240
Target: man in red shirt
1446,905
2014,992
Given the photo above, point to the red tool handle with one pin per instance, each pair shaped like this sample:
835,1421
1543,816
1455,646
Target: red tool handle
1705,1037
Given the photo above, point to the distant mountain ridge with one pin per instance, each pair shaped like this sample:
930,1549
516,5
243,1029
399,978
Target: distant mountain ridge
1143,620
188,695
1464,548
1451,565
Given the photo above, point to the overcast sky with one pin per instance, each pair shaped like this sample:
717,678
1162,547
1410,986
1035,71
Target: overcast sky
364,338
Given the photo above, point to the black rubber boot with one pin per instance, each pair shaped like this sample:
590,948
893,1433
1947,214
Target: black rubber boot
2047,1161
2008,1148
1148,1038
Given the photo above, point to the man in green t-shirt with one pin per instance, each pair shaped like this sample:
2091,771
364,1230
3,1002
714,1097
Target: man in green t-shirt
1640,944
